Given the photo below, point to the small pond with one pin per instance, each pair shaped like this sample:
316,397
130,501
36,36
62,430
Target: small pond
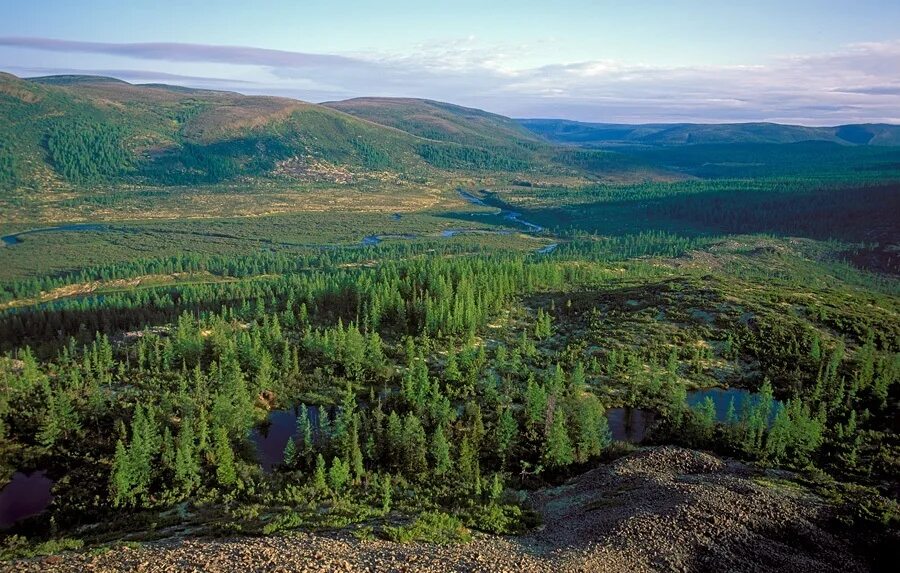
722,397
629,424
625,424
271,438
26,495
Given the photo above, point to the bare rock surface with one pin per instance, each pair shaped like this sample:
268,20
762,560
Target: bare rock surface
660,509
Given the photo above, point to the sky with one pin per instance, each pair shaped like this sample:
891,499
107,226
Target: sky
812,62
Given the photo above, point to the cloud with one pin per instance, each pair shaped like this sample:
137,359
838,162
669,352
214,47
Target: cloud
807,89
131,75
871,90
179,52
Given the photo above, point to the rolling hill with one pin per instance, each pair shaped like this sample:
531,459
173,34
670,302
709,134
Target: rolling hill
441,121
87,129
568,132
80,130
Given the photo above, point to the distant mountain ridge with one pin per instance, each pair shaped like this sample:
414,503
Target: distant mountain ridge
59,131
568,132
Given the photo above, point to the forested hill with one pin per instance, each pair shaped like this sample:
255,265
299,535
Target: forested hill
77,130
602,134
440,121
83,130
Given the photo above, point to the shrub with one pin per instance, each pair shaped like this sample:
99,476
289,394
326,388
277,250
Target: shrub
430,527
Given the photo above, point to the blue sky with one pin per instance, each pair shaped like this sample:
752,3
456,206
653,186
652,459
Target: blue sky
801,61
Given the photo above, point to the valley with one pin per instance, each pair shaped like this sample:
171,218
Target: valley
259,333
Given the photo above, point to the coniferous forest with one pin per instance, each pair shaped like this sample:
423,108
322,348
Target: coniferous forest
250,336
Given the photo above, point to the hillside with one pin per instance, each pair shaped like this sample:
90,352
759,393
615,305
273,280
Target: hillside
76,130
70,130
440,121
607,134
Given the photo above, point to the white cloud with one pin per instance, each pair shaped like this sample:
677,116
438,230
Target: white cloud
856,83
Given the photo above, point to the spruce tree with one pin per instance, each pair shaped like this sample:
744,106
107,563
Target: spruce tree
304,434
290,453
440,452
558,451
467,465
320,483
386,493
187,467
506,434
592,429
121,479
226,472
338,474
415,462
355,452
535,407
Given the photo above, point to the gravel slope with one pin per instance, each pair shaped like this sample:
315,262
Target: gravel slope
660,509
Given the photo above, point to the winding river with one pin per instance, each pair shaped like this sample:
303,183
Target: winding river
13,238
513,217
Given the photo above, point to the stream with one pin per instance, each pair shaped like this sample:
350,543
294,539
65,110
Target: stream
13,238
513,217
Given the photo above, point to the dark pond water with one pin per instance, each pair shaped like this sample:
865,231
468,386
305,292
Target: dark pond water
625,424
13,239
24,496
271,439
722,397
629,424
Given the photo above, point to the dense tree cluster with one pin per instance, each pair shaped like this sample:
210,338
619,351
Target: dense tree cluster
455,156
84,151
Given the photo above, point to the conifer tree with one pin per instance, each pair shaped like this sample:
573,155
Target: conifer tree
558,451
535,407
440,452
468,466
187,467
121,479
226,473
304,434
592,429
506,434
320,482
386,493
355,460
290,453
415,462
338,474
705,420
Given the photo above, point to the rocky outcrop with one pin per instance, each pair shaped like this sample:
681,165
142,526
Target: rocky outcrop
660,509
